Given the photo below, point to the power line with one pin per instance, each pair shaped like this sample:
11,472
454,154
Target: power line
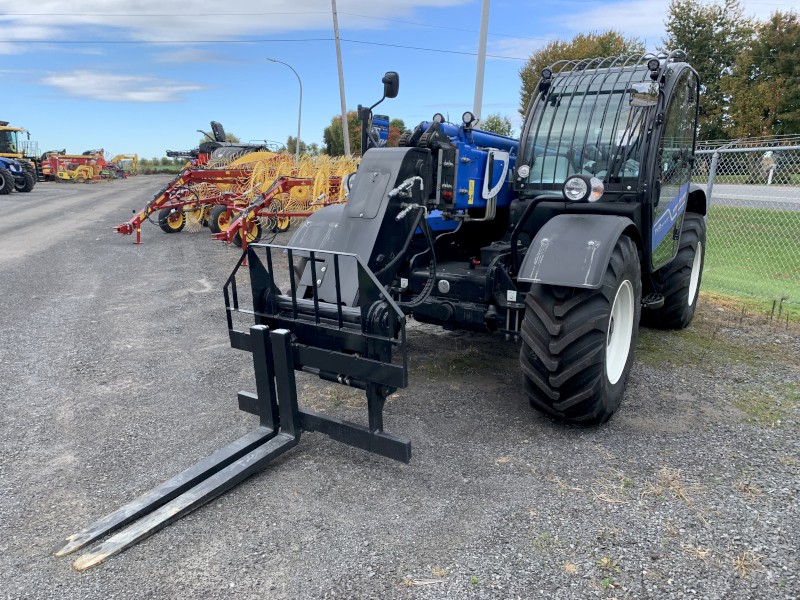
264,14
253,41
430,49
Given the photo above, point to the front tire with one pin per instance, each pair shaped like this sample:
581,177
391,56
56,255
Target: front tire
679,281
578,344
171,220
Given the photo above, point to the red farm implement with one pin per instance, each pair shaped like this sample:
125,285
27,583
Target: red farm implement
229,201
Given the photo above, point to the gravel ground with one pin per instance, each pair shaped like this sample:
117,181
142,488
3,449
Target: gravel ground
117,373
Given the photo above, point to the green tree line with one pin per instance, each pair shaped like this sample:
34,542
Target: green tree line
749,70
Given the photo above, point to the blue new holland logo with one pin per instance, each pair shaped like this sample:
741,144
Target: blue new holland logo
670,216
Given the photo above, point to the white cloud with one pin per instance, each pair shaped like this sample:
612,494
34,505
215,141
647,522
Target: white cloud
113,87
11,34
643,19
171,20
515,47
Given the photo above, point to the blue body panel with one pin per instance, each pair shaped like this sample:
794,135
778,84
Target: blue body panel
381,124
473,146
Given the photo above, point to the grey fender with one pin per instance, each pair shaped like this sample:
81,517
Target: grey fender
573,250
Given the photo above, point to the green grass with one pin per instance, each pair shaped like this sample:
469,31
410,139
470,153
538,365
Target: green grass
699,345
754,253
759,377
770,407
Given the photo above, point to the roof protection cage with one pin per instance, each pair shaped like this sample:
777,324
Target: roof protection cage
583,121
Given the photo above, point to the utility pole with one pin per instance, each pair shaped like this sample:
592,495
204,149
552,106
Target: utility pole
477,104
345,129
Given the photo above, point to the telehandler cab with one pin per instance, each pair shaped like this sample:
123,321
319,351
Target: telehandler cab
564,240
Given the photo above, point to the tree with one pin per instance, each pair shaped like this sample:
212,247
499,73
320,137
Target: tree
497,123
228,135
764,86
310,149
397,127
334,140
291,145
713,36
610,43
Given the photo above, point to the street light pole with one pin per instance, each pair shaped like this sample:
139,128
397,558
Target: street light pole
299,108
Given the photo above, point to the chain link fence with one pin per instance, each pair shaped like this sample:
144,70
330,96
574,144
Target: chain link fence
754,218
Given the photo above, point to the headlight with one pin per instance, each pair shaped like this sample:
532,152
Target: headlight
582,188
523,171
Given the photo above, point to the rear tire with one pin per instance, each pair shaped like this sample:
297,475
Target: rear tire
6,182
171,220
25,183
578,344
30,168
679,281
219,219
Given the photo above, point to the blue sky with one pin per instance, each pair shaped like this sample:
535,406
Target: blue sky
142,75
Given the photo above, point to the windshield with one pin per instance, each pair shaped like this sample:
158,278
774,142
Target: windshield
8,142
585,125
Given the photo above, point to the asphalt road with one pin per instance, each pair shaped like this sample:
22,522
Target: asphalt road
772,197
116,373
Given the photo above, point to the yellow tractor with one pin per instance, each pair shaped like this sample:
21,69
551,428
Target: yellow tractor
26,152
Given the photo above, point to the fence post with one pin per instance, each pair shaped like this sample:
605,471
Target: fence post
712,172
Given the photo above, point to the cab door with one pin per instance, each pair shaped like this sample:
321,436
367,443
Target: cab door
675,158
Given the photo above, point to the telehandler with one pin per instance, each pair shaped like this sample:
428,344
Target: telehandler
564,240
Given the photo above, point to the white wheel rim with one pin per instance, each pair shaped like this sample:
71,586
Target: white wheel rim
620,328
694,280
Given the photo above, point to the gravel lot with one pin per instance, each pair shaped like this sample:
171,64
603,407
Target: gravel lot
117,373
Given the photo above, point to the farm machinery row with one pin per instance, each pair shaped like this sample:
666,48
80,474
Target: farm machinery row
91,166
563,242
56,165
241,191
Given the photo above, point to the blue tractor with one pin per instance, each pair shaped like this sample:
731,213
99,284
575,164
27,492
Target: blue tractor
13,176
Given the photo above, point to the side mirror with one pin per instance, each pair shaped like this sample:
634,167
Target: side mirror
391,84
644,94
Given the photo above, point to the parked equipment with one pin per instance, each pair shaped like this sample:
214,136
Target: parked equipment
15,176
77,168
127,164
561,241
228,198
24,151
